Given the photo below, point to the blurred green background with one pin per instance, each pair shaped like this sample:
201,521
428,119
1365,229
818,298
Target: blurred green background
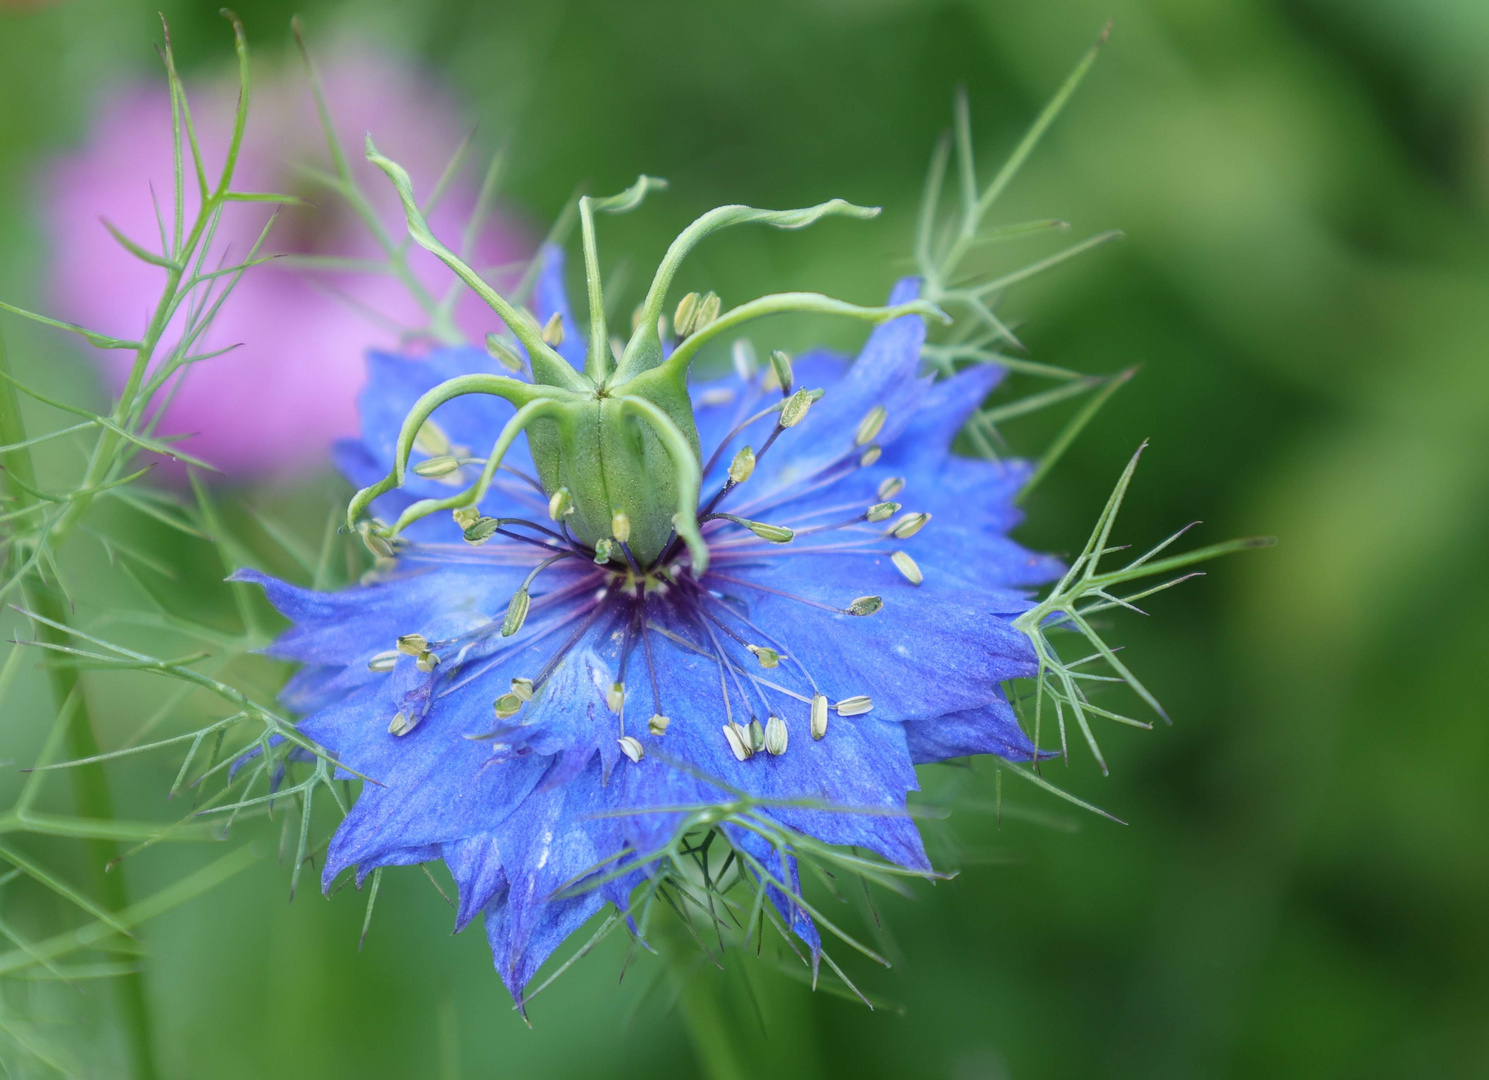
1305,186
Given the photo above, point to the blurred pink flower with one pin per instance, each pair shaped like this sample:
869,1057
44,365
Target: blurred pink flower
276,402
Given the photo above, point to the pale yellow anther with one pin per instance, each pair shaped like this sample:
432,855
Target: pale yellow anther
432,440
516,612
631,748
795,408
465,516
819,715
870,426
708,310
780,367
522,689
620,526
768,657
775,736
412,644
615,697
553,331
857,705
402,723
436,467
908,525
507,706
743,465
687,311
657,725
383,661
738,740
560,504
907,566
503,353
891,487
882,511
869,456
427,661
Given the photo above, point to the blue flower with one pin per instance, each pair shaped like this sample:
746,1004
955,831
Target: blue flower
824,668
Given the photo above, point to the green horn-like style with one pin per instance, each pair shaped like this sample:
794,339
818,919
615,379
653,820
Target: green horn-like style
619,437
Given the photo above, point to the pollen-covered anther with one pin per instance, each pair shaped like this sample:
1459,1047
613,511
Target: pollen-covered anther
615,697
857,705
402,723
507,706
891,487
657,725
865,605
436,467
560,504
908,525
882,511
794,410
869,456
819,715
620,526
908,567
631,748
503,353
481,530
870,426
739,741
604,550
383,661
426,661
516,612
768,657
743,465
522,689
780,367
412,644
775,736
553,331
465,516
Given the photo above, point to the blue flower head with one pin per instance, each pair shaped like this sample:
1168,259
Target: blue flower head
602,591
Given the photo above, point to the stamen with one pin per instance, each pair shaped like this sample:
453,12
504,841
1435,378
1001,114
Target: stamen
412,644
682,317
518,606
522,689
402,723
869,456
865,605
620,526
432,441
427,661
857,705
780,367
507,706
738,741
383,661
631,748
743,465
742,354
465,516
757,735
615,697
870,426
908,567
776,534
604,550
553,332
657,725
503,353
560,504
819,715
795,409
908,525
775,736
768,657
891,487
882,511
436,467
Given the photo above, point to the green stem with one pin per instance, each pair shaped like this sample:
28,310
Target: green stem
714,1037
89,784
